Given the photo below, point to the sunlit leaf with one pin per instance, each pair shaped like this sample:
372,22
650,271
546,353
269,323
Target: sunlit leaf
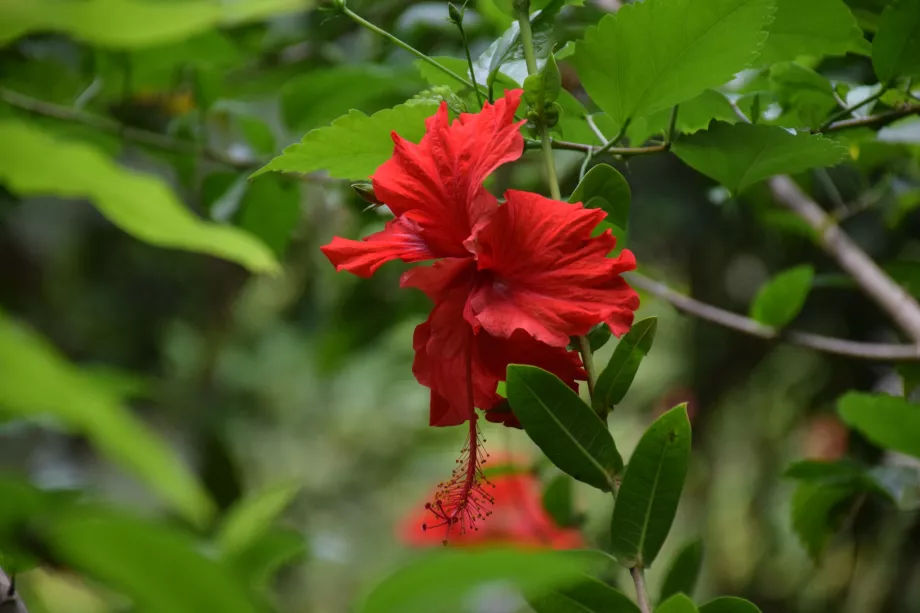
896,45
890,422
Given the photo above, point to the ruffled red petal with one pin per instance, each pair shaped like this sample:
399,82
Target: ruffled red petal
401,239
439,181
540,271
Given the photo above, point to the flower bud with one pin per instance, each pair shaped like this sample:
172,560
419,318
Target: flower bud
454,14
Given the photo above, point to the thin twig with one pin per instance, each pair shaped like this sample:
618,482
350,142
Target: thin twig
847,111
581,147
873,121
733,321
638,576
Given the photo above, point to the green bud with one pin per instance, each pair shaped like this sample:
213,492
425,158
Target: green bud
454,14
551,114
366,192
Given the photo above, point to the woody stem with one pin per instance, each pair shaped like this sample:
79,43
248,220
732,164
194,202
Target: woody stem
638,575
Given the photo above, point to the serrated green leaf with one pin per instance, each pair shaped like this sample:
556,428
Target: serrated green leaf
35,380
694,115
896,45
570,434
779,300
739,155
802,91
587,596
630,74
131,24
270,209
684,572
35,162
678,603
557,500
251,517
648,498
816,513
729,604
606,182
890,422
355,144
614,381
436,583
814,28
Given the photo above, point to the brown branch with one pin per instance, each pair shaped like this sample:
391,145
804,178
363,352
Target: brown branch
873,121
733,321
623,151
874,282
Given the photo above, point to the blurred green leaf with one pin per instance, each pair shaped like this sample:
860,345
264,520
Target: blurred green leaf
896,45
890,422
557,500
910,374
648,498
159,568
130,24
814,28
630,74
605,182
257,133
615,379
355,144
729,604
270,209
587,596
563,426
779,300
439,582
258,563
816,513
684,572
250,518
739,155
140,204
803,91
599,336
35,380
678,603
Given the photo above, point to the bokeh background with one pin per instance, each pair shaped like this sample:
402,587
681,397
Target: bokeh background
305,377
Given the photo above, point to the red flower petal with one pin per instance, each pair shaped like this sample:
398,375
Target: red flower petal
543,273
400,239
440,179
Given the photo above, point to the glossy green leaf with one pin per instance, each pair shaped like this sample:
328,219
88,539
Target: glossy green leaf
684,572
605,182
678,603
587,596
36,381
160,569
630,74
729,604
557,500
803,91
739,155
779,300
615,379
650,492
131,24
570,434
817,509
814,28
270,209
355,144
890,422
896,45
439,582
252,517
36,163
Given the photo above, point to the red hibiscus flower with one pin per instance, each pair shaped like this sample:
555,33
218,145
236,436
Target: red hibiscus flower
517,519
511,282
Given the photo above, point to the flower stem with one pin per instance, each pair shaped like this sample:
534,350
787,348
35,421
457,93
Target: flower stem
638,575
469,59
587,357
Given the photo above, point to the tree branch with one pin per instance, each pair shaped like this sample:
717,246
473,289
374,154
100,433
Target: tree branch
733,321
581,147
872,121
874,282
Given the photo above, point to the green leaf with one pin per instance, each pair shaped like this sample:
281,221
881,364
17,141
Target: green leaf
355,144
816,513
614,381
779,300
35,380
629,73
890,422
439,582
605,182
910,375
684,572
896,45
599,336
543,87
648,498
131,24
678,603
739,155
570,434
160,569
250,518
814,28
803,91
557,500
36,163
729,604
587,596
258,563
695,114
270,209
